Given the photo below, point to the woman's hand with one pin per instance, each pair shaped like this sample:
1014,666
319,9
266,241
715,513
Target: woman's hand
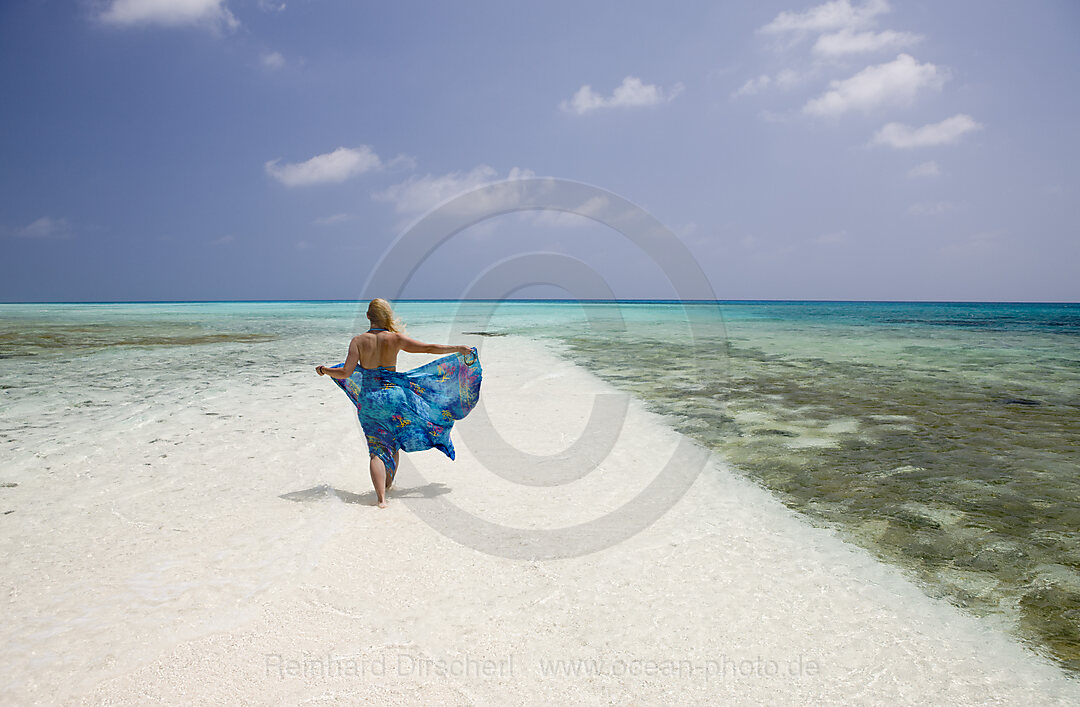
464,350
319,370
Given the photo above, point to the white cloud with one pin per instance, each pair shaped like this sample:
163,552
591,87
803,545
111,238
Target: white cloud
273,60
45,227
930,208
224,240
847,42
926,169
630,93
894,83
830,16
901,136
336,166
170,13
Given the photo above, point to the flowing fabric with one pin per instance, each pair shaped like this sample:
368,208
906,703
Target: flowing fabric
413,410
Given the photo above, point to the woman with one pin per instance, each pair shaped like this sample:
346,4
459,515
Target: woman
413,410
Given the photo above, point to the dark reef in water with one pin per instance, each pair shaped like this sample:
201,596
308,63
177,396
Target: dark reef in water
1019,401
977,501
41,339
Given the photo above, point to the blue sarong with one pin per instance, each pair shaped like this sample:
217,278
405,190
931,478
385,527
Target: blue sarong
413,410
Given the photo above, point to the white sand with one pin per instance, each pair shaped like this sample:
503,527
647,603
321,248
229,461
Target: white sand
237,558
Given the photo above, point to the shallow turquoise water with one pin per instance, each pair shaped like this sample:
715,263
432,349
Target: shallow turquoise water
943,437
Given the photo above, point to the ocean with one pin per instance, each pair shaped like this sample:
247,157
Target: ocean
942,437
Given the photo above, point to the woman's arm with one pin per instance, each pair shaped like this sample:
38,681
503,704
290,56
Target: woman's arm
350,362
413,346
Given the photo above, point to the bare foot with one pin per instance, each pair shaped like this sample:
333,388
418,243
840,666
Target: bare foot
382,504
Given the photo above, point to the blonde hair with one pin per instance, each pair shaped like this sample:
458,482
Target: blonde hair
381,315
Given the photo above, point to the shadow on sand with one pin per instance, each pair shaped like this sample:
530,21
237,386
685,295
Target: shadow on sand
325,492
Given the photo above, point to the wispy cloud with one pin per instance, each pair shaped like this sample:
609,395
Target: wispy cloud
630,93
784,80
977,244
894,83
417,195
401,162
753,85
926,169
331,167
830,16
846,41
930,208
580,216
333,219
223,240
272,60
832,239
212,14
44,228
901,137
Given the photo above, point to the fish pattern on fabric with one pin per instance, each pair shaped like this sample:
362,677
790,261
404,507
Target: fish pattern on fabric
413,410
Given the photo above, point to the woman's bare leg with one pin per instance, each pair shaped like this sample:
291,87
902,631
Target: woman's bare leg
378,479
389,479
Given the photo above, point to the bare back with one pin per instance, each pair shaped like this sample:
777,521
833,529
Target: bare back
378,348
373,349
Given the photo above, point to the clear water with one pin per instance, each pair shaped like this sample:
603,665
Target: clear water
945,438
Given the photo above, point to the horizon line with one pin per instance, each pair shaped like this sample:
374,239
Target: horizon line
539,300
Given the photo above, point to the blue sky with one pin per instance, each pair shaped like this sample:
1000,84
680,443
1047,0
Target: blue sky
258,149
